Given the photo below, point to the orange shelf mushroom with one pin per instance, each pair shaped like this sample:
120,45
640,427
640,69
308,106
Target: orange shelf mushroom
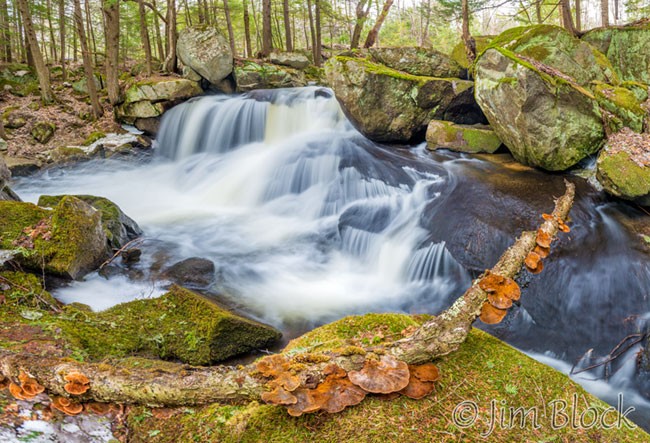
66,405
422,380
501,291
543,239
77,383
491,315
381,376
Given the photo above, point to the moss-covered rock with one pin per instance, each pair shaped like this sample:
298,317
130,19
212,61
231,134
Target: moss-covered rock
417,61
623,167
251,75
152,97
118,227
43,131
626,47
484,371
459,55
68,241
462,138
393,106
178,325
623,105
533,86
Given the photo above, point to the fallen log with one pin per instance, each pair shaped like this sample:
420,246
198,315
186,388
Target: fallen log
303,382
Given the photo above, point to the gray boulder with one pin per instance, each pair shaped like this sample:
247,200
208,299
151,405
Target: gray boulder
292,59
206,51
418,61
251,75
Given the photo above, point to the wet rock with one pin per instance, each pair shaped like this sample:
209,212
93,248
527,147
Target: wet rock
131,256
533,86
461,138
393,106
192,272
149,126
67,154
119,228
5,191
20,166
206,51
68,241
291,59
251,75
43,131
418,61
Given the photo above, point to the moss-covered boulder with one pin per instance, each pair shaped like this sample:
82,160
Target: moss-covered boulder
206,51
461,138
417,61
152,97
387,105
484,373
623,166
180,325
43,131
533,86
294,60
68,241
118,227
251,75
459,55
623,106
626,47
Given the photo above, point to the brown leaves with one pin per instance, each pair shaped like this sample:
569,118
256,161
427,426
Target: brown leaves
77,383
31,233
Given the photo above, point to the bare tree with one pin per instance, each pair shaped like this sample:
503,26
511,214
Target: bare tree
170,61
5,34
37,57
567,17
144,36
604,12
578,16
231,34
374,32
62,37
247,30
98,111
287,25
111,11
267,33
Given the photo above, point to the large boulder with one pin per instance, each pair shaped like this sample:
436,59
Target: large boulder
471,139
623,167
68,241
387,105
150,98
118,227
533,84
251,75
206,51
5,174
417,61
626,48
291,59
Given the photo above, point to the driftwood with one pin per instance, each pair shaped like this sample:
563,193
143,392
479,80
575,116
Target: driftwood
178,384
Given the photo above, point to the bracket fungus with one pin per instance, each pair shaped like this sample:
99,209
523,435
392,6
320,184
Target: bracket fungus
28,388
502,291
491,315
381,376
422,380
77,383
66,405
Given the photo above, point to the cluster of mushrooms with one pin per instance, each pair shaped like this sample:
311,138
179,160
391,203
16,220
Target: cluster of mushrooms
503,291
302,393
77,384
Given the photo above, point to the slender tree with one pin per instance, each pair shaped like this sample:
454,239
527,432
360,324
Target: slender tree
567,17
231,34
247,30
604,12
111,11
5,34
267,35
62,38
144,37
374,32
98,111
578,16
170,61
36,55
318,41
362,11
287,25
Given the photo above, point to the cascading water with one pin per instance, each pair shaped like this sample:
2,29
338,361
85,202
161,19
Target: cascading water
307,221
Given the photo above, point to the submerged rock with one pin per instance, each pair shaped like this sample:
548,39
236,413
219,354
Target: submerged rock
393,106
118,227
68,241
623,166
533,86
194,272
206,51
252,75
626,47
461,138
291,59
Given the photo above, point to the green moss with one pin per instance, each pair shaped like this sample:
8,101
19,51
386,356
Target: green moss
484,371
623,104
93,137
459,55
622,177
378,69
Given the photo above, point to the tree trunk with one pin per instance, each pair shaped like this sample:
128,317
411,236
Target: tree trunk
374,32
91,32
53,50
231,34
177,384
37,58
170,60
111,10
287,25
604,12
267,36
312,30
5,34
64,73
578,16
156,24
567,17
144,37
87,61
468,41
247,30
318,44
361,15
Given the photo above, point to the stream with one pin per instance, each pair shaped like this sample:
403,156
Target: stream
308,221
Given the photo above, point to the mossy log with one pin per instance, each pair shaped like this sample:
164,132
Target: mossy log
170,384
